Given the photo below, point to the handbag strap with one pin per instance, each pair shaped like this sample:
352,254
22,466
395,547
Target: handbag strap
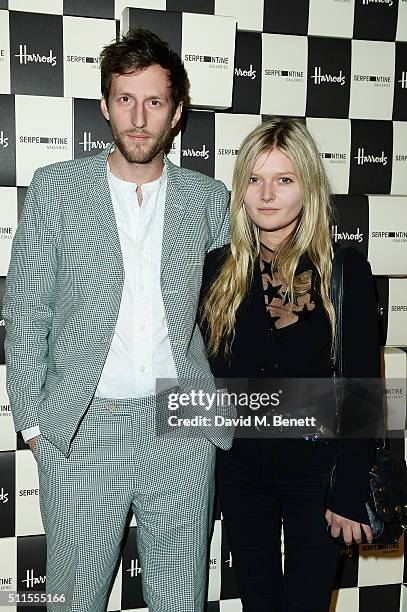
336,295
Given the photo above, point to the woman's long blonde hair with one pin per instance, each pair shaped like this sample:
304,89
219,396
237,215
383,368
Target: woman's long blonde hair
311,235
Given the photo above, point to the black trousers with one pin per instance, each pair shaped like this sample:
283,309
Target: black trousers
262,484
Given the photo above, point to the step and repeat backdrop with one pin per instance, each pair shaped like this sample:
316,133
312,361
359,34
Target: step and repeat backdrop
340,66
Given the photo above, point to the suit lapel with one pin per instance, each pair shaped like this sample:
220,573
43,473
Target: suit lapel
101,202
175,207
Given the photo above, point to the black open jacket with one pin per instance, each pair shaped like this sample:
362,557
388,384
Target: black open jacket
303,350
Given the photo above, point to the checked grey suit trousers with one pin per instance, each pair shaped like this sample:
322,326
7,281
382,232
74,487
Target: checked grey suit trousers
118,464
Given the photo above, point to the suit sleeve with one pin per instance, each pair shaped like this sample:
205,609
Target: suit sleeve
28,308
218,216
362,408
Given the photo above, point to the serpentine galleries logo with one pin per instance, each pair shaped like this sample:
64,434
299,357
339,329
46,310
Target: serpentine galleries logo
84,39
284,86
372,84
44,133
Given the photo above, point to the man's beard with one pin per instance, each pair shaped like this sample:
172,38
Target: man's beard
142,153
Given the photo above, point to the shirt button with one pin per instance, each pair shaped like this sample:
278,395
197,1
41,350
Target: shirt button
111,407
276,365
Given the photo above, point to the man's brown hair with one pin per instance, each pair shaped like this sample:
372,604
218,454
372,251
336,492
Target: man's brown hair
137,50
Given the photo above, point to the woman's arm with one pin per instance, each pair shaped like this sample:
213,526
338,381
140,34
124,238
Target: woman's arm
363,409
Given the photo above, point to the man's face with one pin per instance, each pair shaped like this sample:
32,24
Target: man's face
140,113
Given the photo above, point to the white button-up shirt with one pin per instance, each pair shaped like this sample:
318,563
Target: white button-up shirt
140,356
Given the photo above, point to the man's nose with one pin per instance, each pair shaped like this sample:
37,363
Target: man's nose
139,117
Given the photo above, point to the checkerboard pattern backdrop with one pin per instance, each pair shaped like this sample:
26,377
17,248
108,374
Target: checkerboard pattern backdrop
340,66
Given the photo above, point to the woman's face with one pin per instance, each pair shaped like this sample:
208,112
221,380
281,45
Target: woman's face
273,198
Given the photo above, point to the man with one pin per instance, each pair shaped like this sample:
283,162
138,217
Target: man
100,309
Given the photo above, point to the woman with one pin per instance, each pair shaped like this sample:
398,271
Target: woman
266,313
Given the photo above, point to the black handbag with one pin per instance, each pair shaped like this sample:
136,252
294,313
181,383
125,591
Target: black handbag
386,504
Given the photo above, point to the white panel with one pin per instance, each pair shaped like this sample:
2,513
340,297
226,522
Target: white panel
395,367
83,42
388,235
120,5
4,53
46,118
209,61
284,73
8,569
115,599
28,517
215,562
372,80
383,566
332,137
55,7
230,130
249,15
174,154
401,33
399,170
7,431
230,605
8,225
331,18
397,317
345,600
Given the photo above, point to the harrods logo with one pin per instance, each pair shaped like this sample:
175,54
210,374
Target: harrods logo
204,152
92,145
32,580
362,159
3,496
246,72
53,142
334,158
388,2
403,80
319,78
134,569
356,236
3,140
213,61
26,58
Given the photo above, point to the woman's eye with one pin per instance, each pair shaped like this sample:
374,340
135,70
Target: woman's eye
285,180
125,98
253,179
155,102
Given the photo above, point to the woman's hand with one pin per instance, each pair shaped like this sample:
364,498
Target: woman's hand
350,529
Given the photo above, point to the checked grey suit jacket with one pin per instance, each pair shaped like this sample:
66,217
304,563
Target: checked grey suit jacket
65,281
